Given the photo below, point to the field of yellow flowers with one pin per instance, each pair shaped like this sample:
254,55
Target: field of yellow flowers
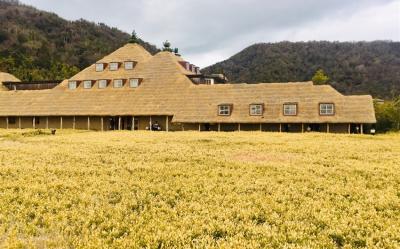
198,190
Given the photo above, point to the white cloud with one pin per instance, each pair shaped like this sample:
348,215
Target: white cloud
208,31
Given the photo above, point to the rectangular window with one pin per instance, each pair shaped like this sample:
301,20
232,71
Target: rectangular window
326,109
129,65
118,83
114,66
256,109
133,83
99,67
72,85
87,84
290,109
224,110
102,84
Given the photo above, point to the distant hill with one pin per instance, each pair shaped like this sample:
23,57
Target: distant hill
353,67
37,45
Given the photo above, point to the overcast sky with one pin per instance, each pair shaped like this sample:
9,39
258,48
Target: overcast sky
208,31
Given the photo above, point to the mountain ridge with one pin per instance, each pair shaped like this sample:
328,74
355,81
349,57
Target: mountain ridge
353,67
39,45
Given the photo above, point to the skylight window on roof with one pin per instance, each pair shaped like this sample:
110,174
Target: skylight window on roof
129,65
72,85
114,66
118,83
99,67
87,84
133,83
102,84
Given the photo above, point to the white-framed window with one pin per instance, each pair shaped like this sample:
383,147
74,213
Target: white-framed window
87,84
114,66
187,66
133,83
118,83
99,67
72,85
290,109
256,109
102,84
209,81
129,65
224,110
326,109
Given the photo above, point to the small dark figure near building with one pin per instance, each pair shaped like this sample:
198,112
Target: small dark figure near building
155,127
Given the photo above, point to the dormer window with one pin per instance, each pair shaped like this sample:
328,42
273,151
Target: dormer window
290,109
87,84
114,66
256,109
326,109
72,85
224,110
102,84
99,67
129,65
118,83
133,83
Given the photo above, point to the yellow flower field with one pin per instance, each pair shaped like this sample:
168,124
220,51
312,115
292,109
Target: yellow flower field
198,190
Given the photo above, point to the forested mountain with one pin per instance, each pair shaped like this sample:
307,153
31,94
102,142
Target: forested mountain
353,67
36,45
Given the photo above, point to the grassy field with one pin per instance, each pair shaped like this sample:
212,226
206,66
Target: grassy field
198,190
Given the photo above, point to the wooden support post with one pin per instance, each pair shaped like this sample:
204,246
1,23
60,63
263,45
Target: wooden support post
199,127
183,127
302,128
74,122
280,127
102,123
34,122
151,124
119,123
362,128
260,126
219,127
349,128
19,122
47,122
88,122
327,127
61,122
133,123
6,122
167,124
239,127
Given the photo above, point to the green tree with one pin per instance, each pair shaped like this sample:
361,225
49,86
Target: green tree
167,46
320,78
134,38
388,115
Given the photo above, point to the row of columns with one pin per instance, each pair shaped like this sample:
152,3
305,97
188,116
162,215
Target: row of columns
280,127
151,122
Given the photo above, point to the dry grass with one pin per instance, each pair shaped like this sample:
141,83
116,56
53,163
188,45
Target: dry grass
198,190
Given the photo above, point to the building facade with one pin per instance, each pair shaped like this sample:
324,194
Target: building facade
130,89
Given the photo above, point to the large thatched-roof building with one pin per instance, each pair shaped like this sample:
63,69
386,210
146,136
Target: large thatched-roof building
131,89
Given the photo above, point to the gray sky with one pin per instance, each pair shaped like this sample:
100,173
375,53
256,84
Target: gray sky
208,31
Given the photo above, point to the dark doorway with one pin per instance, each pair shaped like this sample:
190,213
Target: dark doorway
355,128
313,127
